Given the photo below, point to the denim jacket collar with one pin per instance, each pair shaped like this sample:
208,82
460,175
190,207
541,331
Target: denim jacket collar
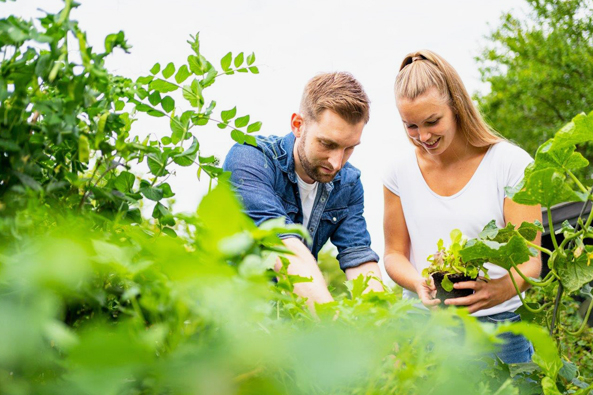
286,159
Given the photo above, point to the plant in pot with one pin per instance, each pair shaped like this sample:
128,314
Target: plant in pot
447,267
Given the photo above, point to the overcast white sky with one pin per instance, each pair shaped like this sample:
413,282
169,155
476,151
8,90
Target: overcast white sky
293,41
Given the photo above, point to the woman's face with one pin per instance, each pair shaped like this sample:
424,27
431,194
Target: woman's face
429,121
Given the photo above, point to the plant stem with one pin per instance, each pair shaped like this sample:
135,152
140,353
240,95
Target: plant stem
539,248
551,229
546,281
527,307
576,180
571,237
556,311
585,320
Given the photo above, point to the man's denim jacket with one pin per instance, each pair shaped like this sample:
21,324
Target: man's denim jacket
265,179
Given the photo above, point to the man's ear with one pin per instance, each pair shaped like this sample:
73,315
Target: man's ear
297,124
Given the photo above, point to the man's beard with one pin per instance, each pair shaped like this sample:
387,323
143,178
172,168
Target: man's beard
313,171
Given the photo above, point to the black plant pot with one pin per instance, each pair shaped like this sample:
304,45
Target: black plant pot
454,293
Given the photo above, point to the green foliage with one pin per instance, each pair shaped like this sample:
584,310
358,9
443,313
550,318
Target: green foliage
449,261
549,180
539,67
96,300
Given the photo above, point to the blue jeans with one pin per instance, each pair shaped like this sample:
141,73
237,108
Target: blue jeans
517,348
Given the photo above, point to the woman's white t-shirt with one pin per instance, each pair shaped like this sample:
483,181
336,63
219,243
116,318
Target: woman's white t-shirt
430,217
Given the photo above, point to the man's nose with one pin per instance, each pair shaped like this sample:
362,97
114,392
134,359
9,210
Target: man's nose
335,159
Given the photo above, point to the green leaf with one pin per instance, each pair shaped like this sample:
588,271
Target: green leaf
250,59
193,94
502,254
574,271
226,60
169,70
250,140
446,283
239,60
188,157
182,74
169,232
238,136
168,104
178,128
124,182
228,114
197,64
209,79
150,192
163,86
156,113
167,191
154,98
156,163
546,187
84,150
119,105
145,80
166,140
242,121
579,130
155,69
529,230
254,127
254,70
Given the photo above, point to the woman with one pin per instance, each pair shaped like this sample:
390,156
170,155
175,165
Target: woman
454,178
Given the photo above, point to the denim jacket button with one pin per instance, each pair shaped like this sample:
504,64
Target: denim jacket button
322,199
311,230
334,219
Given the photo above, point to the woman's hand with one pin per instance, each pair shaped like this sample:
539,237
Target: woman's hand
487,293
426,292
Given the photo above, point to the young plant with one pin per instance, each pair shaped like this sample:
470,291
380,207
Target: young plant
447,267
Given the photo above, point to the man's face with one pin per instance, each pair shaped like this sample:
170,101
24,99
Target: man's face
322,147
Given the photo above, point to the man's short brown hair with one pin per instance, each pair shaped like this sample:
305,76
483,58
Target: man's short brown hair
339,92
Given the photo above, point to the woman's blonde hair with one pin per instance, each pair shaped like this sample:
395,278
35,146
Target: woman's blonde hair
423,70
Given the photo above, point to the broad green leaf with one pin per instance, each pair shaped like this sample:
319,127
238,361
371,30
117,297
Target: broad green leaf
447,284
167,191
124,182
239,60
155,69
357,286
502,254
578,131
163,86
238,136
182,74
178,129
226,60
150,192
145,80
156,164
168,104
156,113
242,121
228,114
188,157
154,98
529,230
548,188
210,77
119,105
169,70
197,64
166,140
250,59
236,245
250,140
575,272
254,70
564,158
254,127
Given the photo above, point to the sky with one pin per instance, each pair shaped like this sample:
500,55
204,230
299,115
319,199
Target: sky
293,41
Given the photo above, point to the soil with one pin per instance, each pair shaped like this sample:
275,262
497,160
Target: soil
454,293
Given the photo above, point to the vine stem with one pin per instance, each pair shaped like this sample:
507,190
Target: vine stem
551,229
576,180
539,248
546,281
585,320
556,308
530,309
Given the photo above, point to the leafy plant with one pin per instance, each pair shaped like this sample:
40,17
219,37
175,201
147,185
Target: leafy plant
548,181
449,263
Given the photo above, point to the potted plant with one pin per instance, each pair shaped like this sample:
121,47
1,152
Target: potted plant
447,267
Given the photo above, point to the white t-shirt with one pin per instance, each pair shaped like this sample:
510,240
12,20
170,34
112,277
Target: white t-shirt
308,193
430,217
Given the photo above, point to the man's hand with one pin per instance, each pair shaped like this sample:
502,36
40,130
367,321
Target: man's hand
367,269
303,264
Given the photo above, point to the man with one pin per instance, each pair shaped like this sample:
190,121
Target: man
305,178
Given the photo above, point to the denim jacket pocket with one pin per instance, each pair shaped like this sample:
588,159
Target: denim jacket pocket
335,216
